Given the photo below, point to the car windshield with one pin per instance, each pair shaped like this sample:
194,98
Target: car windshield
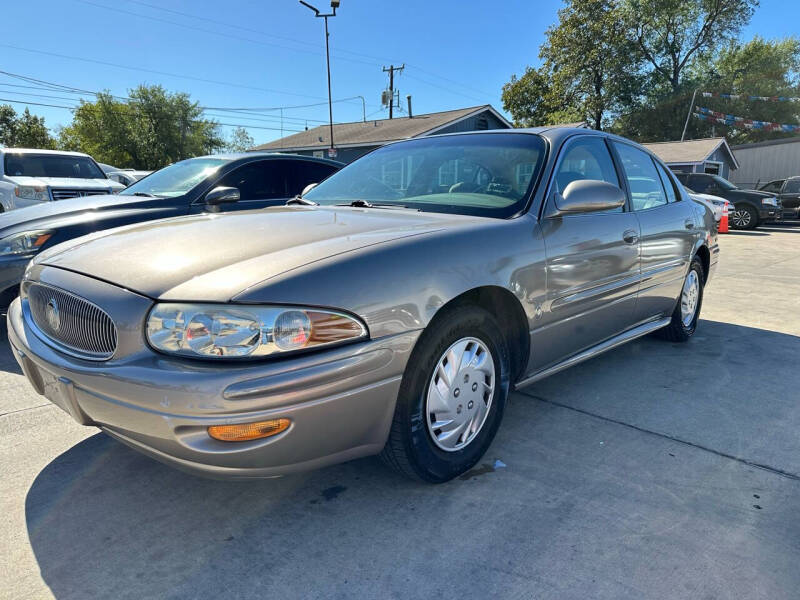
51,165
724,183
176,179
483,174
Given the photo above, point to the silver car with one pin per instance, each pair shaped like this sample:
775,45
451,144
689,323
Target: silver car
389,310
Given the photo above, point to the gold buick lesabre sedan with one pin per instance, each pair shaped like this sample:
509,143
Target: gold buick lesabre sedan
389,310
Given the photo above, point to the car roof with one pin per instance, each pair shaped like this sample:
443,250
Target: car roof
232,156
41,151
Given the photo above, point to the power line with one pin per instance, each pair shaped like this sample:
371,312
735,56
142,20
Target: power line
73,108
296,41
156,72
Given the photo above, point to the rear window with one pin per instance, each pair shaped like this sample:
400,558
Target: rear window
51,165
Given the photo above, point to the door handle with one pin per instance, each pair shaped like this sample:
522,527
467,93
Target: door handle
689,224
630,236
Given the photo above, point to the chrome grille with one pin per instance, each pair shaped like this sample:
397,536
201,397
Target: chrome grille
66,193
72,322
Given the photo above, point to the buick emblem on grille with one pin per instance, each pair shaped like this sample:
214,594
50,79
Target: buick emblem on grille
53,316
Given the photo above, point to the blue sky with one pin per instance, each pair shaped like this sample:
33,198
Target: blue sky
270,53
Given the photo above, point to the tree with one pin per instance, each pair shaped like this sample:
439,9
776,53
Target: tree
152,129
591,60
532,101
671,33
240,141
23,131
589,71
757,68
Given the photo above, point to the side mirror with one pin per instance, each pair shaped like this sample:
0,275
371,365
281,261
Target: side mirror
308,188
221,195
587,195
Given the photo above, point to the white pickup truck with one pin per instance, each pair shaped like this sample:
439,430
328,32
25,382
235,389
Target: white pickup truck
32,176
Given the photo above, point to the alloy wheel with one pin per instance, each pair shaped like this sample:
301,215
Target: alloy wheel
741,218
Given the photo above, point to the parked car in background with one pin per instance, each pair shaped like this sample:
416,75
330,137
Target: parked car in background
128,176
750,208
210,183
714,203
389,310
788,191
30,177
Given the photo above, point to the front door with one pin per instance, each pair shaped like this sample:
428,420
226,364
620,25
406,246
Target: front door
790,196
592,262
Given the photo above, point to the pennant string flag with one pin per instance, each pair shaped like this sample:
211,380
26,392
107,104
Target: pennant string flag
706,114
749,97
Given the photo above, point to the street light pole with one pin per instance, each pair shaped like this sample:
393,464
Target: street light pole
334,6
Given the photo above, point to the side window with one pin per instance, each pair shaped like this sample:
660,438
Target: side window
643,178
792,187
260,180
773,186
300,173
699,183
586,158
669,185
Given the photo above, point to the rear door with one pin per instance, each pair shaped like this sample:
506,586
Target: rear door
668,231
592,261
790,195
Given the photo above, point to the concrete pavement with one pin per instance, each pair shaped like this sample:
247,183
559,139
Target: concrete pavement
655,471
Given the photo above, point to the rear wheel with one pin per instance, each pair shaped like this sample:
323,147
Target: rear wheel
744,217
452,397
687,312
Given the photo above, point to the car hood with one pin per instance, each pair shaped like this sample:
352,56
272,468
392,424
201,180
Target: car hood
213,257
67,182
54,214
749,194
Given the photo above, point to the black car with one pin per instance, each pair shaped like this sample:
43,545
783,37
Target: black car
203,184
751,208
788,192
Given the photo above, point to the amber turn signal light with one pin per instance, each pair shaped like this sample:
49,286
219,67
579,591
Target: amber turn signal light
248,431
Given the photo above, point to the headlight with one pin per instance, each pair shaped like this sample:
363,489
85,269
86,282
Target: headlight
28,242
769,201
32,192
231,331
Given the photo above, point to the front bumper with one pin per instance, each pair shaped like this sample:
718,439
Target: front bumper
340,402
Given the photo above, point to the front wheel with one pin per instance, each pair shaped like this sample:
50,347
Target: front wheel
451,398
744,217
687,312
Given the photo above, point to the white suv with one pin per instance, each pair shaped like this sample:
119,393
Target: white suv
33,176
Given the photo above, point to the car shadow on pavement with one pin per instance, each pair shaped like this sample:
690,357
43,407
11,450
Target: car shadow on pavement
7,361
594,466
746,233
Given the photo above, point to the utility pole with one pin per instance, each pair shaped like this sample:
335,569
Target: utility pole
334,6
391,71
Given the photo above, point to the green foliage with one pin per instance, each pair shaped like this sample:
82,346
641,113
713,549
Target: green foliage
532,101
760,67
670,33
151,130
23,131
240,141
590,59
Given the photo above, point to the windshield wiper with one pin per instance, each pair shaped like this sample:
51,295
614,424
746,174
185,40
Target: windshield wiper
143,195
360,203
300,200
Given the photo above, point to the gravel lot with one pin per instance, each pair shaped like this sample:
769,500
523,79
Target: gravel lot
654,471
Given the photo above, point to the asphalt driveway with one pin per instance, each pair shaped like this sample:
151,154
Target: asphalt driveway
655,471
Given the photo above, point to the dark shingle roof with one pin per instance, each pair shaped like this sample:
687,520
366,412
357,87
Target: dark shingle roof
372,133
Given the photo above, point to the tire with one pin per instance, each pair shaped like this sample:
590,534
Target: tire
411,448
747,218
679,330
